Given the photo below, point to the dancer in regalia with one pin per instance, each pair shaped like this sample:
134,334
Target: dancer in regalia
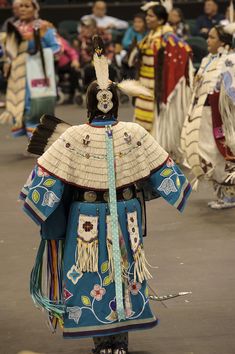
85,193
30,48
208,136
165,68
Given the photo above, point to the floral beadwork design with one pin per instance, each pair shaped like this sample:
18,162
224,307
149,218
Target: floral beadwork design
134,287
168,185
49,199
74,313
98,292
41,193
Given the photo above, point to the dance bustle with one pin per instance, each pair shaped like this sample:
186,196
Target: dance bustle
46,133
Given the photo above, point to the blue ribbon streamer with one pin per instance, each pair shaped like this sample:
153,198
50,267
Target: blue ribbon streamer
114,224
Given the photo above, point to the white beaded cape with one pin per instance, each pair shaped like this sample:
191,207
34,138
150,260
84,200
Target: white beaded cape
79,155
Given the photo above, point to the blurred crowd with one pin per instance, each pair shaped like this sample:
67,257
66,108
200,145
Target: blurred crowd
74,69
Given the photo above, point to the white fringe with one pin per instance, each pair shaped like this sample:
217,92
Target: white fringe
140,267
170,122
87,256
110,259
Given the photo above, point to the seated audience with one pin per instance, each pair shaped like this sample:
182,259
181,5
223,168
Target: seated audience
135,32
68,64
209,19
103,21
176,20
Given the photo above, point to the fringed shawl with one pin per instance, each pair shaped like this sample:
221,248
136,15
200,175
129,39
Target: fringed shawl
79,156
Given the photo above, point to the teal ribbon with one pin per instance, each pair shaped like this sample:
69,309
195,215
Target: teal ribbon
114,224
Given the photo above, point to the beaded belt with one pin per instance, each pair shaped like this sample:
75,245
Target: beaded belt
91,196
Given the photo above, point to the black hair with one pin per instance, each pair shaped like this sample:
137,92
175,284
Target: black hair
160,12
224,37
92,102
140,15
180,12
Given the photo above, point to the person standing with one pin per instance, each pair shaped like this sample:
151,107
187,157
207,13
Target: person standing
165,68
30,48
208,136
83,193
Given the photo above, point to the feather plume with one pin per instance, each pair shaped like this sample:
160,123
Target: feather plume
149,4
168,4
134,88
46,133
231,11
102,71
230,28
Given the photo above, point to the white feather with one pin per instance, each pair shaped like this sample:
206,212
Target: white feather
230,28
168,4
134,88
149,4
102,71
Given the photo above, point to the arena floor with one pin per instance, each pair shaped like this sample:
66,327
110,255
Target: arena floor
193,252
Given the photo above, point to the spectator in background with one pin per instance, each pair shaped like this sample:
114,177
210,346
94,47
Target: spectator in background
15,13
136,32
103,21
3,3
88,29
68,63
176,20
210,18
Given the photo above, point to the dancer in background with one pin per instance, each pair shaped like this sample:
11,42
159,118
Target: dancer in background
164,68
30,48
208,137
84,195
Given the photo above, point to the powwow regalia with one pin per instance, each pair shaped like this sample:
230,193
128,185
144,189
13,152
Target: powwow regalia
30,48
85,192
165,68
208,136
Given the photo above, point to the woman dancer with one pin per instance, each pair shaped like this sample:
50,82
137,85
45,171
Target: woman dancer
30,46
164,68
208,137
84,194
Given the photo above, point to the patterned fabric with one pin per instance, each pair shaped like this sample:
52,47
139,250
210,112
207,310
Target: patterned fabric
135,158
176,57
203,140
90,295
22,111
172,184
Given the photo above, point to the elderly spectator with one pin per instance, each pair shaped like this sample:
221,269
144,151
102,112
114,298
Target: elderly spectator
136,32
210,18
176,20
103,21
15,13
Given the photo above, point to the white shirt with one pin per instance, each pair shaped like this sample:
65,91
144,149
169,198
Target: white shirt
106,21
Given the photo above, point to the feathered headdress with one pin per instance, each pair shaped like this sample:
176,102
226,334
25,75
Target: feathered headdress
168,4
104,96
